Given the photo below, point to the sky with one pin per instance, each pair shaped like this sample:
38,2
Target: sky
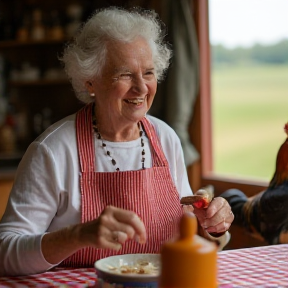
247,22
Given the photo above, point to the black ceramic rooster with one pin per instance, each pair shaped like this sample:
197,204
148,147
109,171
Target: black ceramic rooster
265,215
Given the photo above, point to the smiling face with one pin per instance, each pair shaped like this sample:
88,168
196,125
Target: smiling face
126,89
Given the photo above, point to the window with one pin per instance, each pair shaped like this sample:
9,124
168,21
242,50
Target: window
249,87
207,108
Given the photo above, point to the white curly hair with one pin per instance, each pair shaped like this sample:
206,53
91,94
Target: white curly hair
85,56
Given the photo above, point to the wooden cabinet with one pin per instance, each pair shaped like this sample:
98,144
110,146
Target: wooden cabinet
34,101
35,91
5,188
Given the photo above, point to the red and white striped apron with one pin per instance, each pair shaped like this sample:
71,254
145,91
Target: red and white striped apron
150,193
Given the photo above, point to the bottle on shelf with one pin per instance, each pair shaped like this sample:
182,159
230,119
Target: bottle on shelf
74,14
56,31
38,29
22,33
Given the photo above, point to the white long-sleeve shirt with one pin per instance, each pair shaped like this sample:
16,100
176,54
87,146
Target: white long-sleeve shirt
46,195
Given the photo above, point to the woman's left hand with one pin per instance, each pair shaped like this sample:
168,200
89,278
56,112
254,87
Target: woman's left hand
217,218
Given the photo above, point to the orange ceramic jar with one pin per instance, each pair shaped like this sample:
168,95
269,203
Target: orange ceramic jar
190,261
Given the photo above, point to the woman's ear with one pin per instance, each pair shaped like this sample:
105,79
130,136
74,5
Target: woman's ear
89,86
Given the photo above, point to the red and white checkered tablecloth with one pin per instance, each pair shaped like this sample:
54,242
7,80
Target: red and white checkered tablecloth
59,277
258,267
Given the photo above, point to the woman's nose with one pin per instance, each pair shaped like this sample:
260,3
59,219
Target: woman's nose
140,86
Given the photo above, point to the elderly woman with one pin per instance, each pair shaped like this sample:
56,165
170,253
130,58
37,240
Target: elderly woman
109,179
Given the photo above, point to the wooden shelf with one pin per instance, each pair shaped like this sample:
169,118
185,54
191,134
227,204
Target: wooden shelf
9,163
11,155
39,83
6,44
7,174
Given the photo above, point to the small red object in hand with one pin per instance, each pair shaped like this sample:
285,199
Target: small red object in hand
203,203
201,199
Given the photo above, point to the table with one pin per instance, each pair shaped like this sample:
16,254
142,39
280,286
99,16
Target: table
257,267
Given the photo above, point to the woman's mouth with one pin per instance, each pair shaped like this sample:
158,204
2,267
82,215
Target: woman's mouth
136,101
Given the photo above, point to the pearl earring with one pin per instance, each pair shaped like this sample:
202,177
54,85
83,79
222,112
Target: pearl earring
92,94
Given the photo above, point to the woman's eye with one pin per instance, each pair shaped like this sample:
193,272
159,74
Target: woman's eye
126,76
149,74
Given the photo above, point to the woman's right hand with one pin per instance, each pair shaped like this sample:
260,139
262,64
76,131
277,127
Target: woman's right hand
109,231
112,228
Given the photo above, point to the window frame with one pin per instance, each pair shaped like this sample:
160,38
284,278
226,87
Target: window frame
201,124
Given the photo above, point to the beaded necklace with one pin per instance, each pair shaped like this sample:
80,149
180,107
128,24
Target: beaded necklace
104,146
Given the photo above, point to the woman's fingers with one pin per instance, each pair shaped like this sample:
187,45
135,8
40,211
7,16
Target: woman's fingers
221,224
217,217
115,240
130,223
110,240
217,204
113,227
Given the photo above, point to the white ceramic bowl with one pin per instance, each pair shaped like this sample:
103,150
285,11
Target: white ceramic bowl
110,276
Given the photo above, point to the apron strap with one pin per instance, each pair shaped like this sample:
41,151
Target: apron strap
158,156
85,134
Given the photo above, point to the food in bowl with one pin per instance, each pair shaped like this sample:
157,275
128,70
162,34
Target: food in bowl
140,267
129,270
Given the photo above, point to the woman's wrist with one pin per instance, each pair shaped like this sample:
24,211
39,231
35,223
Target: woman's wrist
221,239
217,235
58,245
